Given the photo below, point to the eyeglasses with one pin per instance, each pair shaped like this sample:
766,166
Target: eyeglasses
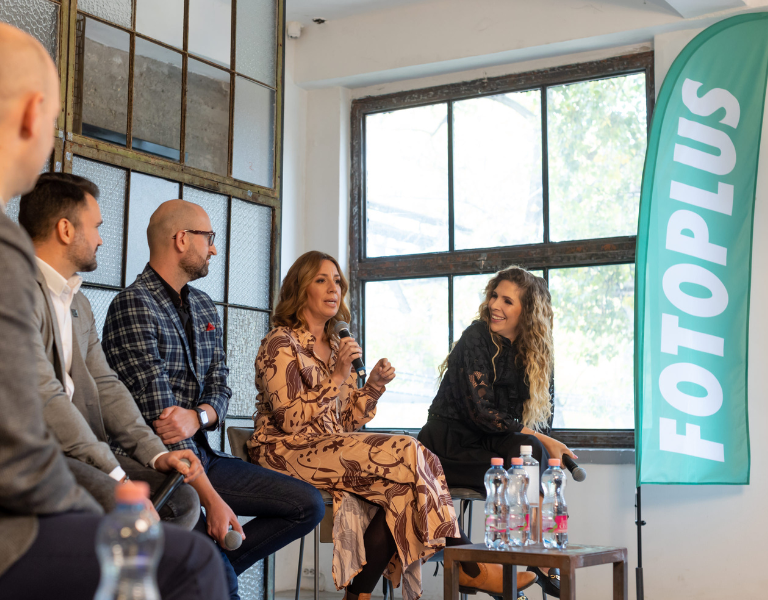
211,234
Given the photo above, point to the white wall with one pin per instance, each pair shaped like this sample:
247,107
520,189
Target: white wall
700,542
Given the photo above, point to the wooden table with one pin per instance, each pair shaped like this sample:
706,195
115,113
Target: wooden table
574,557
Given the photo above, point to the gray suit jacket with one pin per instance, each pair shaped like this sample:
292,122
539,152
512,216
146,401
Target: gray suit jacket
34,478
102,408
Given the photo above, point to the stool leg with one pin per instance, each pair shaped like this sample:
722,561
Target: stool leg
469,527
385,588
301,564
317,562
391,589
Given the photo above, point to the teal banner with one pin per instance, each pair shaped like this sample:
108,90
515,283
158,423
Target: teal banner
694,255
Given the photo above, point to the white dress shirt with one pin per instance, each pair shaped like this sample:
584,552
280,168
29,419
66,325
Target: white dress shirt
62,292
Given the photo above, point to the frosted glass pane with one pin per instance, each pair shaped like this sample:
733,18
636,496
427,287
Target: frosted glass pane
100,301
216,207
245,330
406,321
253,152
162,20
207,132
39,18
406,175
117,11
147,193
12,208
101,97
251,582
256,42
111,182
249,258
210,29
156,100
497,171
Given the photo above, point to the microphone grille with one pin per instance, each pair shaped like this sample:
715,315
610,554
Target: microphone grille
339,326
579,474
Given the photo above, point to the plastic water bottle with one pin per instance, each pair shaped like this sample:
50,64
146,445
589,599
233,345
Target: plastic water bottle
554,511
531,466
496,505
128,544
519,529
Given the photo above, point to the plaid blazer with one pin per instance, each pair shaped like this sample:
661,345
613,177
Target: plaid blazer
145,344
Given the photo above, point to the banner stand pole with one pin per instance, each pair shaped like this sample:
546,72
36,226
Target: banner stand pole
639,570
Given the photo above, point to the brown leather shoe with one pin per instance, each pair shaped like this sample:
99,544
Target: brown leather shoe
359,596
491,580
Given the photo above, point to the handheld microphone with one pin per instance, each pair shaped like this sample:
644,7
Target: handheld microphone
342,330
170,485
233,539
577,472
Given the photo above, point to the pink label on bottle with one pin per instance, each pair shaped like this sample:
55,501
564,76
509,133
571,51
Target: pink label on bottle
527,522
562,524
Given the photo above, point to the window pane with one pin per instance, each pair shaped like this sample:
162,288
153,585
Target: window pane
147,193
216,207
406,321
207,131
245,330
594,346
468,294
111,182
249,260
101,81
100,301
210,29
163,20
257,40
406,180
597,139
117,11
39,18
156,100
253,146
12,208
497,171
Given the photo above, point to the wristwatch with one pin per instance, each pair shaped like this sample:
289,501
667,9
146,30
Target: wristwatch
202,416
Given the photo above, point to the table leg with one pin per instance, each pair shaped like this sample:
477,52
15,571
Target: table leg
510,582
567,583
620,580
450,580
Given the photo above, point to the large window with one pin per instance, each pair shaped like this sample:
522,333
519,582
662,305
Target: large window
451,184
176,99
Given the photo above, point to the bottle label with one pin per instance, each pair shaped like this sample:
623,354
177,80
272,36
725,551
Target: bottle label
519,523
561,524
491,524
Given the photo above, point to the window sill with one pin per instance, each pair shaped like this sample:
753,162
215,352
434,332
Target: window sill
605,456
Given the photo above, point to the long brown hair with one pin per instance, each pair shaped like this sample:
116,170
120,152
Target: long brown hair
535,348
293,293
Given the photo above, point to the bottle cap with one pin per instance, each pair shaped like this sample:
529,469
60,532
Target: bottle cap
497,462
517,461
526,449
132,492
554,462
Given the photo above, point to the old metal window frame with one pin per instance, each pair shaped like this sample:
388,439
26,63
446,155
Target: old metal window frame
544,255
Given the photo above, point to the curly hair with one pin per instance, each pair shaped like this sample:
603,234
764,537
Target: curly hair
535,348
289,311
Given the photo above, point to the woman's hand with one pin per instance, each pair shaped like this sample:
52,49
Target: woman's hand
556,449
381,374
349,350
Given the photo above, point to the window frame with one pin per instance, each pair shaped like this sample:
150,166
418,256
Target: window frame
544,255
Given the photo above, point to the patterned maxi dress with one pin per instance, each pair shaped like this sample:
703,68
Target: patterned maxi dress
308,428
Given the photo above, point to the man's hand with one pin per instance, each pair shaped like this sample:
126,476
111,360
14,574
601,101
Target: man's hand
176,424
171,461
219,517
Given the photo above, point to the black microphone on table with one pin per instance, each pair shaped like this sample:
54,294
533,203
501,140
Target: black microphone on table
577,472
342,330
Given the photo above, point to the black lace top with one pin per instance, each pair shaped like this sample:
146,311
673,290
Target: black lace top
469,392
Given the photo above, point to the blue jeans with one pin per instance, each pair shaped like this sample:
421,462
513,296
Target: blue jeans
285,510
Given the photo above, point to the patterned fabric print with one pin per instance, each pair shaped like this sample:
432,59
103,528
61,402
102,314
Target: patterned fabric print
145,344
308,428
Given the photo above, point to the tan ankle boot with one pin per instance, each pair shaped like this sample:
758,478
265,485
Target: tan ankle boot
491,579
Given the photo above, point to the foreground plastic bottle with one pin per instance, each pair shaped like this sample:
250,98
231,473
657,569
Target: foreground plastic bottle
531,466
129,543
554,511
496,505
519,510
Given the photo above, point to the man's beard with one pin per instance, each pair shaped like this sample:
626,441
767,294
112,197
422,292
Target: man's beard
81,255
196,267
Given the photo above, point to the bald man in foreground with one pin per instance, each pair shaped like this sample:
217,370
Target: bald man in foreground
47,522
164,339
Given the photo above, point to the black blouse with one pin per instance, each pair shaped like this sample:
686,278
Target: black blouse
469,392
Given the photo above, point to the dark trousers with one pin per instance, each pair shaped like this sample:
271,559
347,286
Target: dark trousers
62,564
285,510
